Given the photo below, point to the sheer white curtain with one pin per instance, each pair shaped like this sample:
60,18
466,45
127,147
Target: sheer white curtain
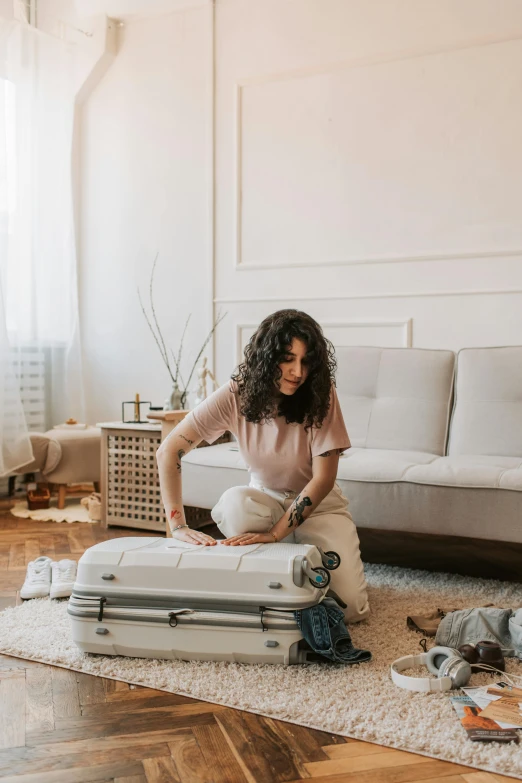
37,244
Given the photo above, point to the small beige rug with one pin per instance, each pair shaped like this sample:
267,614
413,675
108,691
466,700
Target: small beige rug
358,701
73,512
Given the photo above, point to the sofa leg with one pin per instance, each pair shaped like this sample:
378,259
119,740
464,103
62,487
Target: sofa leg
96,486
11,486
62,488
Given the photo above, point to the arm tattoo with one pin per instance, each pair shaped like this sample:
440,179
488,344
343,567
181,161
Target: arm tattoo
178,464
328,453
190,442
296,514
175,514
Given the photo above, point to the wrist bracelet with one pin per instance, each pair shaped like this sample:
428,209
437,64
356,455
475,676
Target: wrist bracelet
276,540
173,529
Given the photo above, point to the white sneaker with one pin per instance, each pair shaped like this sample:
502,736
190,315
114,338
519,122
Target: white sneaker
63,578
38,578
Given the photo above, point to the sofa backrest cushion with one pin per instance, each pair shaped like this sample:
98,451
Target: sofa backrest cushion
487,416
396,398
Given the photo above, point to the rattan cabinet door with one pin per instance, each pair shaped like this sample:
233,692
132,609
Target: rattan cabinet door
130,486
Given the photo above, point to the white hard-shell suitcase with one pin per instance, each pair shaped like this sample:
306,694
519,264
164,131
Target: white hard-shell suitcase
163,598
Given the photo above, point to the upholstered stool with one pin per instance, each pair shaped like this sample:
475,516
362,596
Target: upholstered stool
80,460
47,454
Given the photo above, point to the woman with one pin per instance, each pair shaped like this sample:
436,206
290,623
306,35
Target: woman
282,406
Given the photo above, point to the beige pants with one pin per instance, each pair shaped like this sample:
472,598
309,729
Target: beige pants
256,509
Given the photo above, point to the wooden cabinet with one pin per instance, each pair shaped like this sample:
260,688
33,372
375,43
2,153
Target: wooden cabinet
129,476
130,487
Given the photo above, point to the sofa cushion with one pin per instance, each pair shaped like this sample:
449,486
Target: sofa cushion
210,471
380,464
224,455
427,508
396,398
487,417
469,470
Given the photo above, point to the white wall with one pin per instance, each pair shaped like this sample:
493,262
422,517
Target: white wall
6,9
146,186
369,169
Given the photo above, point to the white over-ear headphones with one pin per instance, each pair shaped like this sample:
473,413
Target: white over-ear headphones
450,668
447,664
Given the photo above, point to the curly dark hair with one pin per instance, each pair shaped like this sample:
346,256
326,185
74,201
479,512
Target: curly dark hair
267,348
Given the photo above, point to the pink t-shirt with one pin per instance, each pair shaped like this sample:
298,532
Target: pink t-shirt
277,454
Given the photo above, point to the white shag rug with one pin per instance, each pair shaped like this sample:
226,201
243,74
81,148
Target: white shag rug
358,701
73,512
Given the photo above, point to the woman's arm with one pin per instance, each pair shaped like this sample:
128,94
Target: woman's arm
181,440
324,473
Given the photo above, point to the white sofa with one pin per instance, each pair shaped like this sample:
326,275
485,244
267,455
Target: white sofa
436,443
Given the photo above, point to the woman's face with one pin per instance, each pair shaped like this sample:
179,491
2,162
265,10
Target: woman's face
294,368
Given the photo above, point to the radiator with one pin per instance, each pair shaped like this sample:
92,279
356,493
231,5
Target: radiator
32,365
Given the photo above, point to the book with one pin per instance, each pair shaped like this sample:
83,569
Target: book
504,709
478,728
485,696
506,691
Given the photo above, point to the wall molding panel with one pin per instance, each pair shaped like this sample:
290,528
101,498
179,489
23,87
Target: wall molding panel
393,147
400,333
471,213
343,297
249,267
379,59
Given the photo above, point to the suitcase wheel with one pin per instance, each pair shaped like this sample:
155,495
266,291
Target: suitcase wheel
331,561
322,579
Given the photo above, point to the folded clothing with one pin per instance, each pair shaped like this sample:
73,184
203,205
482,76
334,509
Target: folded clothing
488,623
428,624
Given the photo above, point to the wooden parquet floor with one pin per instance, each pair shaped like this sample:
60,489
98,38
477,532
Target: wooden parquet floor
58,726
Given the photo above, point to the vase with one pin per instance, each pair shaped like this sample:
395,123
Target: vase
175,401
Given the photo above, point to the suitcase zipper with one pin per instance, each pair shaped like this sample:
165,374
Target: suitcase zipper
264,620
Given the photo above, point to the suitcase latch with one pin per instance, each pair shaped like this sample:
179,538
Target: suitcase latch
271,643
274,585
108,577
102,631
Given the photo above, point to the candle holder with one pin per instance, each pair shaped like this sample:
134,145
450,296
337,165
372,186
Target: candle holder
136,403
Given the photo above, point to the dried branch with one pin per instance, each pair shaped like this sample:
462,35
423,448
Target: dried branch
165,358
160,342
154,312
207,340
178,369
178,360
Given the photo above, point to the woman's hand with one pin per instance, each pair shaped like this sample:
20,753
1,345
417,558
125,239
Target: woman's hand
249,538
193,537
